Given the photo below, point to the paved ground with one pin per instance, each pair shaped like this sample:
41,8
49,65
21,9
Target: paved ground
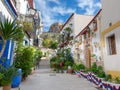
47,81
44,79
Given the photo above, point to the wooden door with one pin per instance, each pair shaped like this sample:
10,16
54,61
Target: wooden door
89,57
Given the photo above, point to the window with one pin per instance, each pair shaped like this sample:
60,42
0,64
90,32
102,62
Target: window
80,39
26,42
111,44
95,25
78,56
85,36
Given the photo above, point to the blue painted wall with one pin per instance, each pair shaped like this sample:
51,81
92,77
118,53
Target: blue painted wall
7,55
9,45
8,52
11,8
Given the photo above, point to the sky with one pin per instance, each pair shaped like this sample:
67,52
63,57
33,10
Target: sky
59,10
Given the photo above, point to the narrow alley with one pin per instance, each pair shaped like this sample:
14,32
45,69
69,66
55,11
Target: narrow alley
59,45
45,79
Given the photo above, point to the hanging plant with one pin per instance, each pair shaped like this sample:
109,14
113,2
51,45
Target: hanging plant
27,26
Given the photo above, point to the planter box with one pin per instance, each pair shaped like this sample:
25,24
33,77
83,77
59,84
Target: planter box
99,81
7,87
70,71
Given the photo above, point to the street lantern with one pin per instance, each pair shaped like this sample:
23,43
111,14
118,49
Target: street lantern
36,19
32,12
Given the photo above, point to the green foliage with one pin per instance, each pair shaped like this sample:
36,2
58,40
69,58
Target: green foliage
94,68
81,66
55,62
62,60
108,77
8,30
87,69
59,52
75,67
54,59
67,35
78,67
68,29
1,75
65,67
25,60
46,42
37,56
65,54
27,25
7,74
117,80
53,45
101,72
98,70
68,63
93,55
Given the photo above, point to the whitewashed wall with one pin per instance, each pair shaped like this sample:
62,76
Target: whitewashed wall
97,39
23,6
81,47
80,22
111,14
112,62
5,11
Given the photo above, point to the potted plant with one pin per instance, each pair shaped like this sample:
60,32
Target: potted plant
7,75
75,67
24,60
70,70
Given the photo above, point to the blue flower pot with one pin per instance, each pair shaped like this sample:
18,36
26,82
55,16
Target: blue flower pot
17,79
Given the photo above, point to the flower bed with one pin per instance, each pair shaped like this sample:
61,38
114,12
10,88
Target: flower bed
98,81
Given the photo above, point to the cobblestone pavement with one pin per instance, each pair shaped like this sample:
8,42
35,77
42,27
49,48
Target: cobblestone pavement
44,79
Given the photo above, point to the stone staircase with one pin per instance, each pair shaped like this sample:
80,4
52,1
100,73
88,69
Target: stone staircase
44,66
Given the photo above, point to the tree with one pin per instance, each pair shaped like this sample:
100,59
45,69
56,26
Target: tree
8,30
54,45
46,42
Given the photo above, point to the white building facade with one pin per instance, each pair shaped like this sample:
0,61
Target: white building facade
88,46
110,26
77,23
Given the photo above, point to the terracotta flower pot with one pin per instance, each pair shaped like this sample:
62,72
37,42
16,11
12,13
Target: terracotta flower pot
7,87
70,71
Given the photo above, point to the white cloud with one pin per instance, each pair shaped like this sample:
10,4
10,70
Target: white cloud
98,5
89,6
49,13
55,1
63,10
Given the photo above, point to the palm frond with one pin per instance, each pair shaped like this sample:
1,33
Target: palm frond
8,29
